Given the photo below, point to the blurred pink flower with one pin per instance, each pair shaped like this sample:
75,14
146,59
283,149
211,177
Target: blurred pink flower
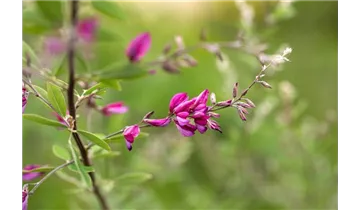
54,45
114,108
25,196
158,122
86,29
138,47
61,119
31,175
130,133
25,95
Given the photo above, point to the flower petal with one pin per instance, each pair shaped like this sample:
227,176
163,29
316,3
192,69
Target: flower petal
131,132
114,108
176,100
86,29
186,130
158,122
138,47
32,175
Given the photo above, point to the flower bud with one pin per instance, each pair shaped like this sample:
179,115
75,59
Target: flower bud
213,98
249,102
265,84
235,90
138,47
242,115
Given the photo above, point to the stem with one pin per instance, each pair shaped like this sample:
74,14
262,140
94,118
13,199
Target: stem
71,102
28,83
48,175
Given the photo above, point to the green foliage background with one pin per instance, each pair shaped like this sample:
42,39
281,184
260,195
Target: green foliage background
265,163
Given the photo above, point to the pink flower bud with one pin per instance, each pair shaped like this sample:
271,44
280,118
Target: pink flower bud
130,133
60,118
114,108
242,115
54,45
86,29
248,101
213,98
265,84
235,90
31,175
212,124
202,98
224,103
158,122
138,47
25,95
176,100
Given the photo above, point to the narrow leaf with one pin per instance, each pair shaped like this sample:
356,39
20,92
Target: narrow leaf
41,91
84,176
108,8
134,178
113,83
61,152
28,50
94,139
93,88
128,71
87,169
56,98
42,120
51,10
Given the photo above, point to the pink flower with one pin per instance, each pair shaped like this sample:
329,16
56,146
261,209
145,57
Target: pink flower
158,122
31,175
202,98
186,130
176,100
86,29
212,124
138,47
25,198
114,108
130,133
25,95
54,45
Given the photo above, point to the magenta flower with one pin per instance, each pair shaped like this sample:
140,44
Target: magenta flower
158,122
31,175
25,95
130,133
186,130
25,196
176,100
114,108
86,29
138,47
54,45
212,124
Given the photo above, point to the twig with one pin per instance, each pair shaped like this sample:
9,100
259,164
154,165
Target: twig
48,175
71,102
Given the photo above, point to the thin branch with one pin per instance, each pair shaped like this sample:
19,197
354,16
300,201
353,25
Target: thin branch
48,175
71,102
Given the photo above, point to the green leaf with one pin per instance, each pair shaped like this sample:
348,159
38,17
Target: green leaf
93,88
56,98
58,65
40,169
87,169
41,91
82,64
84,176
34,22
104,35
61,152
121,71
28,50
94,139
51,10
105,154
108,8
134,178
113,83
42,120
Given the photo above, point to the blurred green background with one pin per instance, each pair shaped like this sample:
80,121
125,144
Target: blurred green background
283,157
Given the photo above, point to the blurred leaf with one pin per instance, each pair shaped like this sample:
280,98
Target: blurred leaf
59,65
87,169
28,50
81,64
61,152
41,169
104,35
84,176
68,178
105,154
33,22
51,10
94,139
121,71
108,8
56,98
107,185
134,178
112,83
42,120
